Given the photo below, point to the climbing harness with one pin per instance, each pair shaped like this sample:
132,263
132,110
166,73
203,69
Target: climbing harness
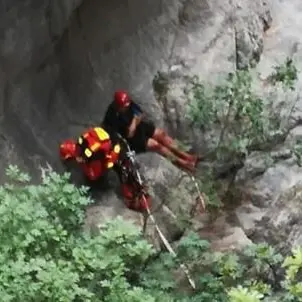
130,154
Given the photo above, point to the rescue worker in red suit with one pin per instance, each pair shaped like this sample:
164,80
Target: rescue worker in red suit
126,117
96,151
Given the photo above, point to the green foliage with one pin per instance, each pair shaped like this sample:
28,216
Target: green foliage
293,266
160,84
236,119
241,294
250,275
46,255
297,152
209,187
239,119
286,73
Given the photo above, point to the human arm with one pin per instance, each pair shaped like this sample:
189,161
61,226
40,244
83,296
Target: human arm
138,115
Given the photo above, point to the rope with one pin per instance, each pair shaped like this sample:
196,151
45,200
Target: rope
168,246
161,235
200,197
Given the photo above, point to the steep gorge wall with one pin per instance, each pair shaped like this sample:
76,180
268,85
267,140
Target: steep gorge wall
30,31
57,66
123,45
61,62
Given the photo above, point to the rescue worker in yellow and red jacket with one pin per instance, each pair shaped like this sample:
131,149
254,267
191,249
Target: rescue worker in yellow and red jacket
96,151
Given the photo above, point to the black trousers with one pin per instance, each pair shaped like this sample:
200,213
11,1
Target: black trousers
144,131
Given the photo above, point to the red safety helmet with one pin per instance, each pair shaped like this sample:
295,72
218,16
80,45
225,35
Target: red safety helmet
68,149
121,98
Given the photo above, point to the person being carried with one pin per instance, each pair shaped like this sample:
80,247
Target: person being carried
127,118
96,151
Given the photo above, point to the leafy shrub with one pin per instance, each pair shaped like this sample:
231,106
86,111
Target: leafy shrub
46,255
236,117
238,120
286,73
255,274
235,120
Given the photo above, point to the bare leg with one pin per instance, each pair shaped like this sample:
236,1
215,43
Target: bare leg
162,137
155,146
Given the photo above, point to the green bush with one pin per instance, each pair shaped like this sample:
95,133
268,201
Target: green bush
46,255
236,117
286,73
235,120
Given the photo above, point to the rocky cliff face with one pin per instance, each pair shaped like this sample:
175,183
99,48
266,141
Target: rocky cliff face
61,61
272,181
29,76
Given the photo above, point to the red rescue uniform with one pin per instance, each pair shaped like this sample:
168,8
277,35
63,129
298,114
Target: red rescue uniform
94,152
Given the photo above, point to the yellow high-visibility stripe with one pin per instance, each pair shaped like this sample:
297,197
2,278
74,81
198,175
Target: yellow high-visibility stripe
117,148
95,146
88,153
110,165
101,133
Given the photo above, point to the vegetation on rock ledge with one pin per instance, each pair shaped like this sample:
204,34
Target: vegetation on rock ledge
47,256
236,119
